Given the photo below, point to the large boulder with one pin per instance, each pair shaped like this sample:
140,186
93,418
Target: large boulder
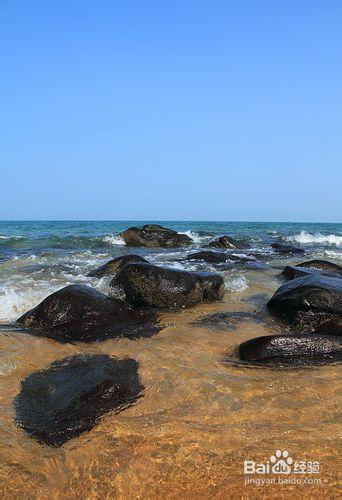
286,249
292,349
81,313
114,265
154,286
293,272
309,301
323,265
153,235
71,396
228,242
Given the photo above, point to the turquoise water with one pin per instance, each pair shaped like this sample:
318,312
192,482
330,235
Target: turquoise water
17,237
39,257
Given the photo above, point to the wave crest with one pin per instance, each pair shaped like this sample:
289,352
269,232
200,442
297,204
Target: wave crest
199,238
112,239
309,238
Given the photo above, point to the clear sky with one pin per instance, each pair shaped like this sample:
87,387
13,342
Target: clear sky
171,110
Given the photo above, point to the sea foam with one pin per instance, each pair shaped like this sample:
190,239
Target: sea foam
237,284
308,238
112,239
197,238
15,302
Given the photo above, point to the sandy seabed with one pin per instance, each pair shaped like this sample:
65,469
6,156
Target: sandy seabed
202,414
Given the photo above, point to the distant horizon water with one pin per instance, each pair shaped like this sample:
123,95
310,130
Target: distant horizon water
246,221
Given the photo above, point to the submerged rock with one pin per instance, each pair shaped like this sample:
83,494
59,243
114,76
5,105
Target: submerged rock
286,249
323,265
71,396
153,286
228,242
153,235
292,349
293,272
217,257
114,265
228,320
309,301
81,313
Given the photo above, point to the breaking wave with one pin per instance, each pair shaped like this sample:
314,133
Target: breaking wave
308,238
114,239
199,238
237,284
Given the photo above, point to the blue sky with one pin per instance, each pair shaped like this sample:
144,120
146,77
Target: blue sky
171,110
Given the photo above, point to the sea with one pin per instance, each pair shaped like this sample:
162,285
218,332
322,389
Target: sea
39,257
202,412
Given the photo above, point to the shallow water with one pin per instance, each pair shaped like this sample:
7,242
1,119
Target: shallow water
202,413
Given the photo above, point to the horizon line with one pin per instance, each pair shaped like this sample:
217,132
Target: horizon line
173,220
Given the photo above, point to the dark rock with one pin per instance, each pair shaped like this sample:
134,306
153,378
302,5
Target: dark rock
293,272
286,249
228,242
153,286
217,257
292,349
153,235
114,265
323,265
333,327
81,313
212,285
72,395
309,301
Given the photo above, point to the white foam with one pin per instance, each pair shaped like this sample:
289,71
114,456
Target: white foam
114,239
14,301
3,237
309,238
195,236
237,284
332,255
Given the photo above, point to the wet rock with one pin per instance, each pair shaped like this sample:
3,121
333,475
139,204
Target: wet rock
323,265
286,249
81,313
228,242
153,235
333,327
154,286
114,265
309,301
293,272
212,285
292,349
217,257
71,396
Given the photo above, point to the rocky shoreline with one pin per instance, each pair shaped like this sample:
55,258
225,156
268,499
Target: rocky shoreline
309,305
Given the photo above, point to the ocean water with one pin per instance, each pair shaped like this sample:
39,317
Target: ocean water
202,412
39,257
